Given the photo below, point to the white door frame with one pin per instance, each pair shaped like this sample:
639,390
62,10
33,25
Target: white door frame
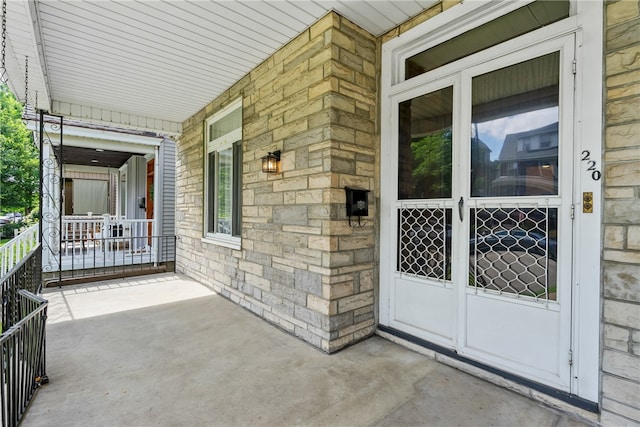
586,24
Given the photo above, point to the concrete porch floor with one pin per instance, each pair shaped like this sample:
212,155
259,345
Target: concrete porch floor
164,350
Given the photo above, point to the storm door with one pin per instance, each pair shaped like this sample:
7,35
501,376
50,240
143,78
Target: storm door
483,211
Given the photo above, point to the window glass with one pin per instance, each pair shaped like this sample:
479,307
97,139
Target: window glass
514,144
223,171
521,21
224,190
424,167
226,124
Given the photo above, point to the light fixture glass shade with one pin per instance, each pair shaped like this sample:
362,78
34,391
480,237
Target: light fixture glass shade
270,162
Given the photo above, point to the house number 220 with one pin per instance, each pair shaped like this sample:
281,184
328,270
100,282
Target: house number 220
591,165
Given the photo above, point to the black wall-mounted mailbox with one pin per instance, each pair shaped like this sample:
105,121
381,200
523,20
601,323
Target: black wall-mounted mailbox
357,202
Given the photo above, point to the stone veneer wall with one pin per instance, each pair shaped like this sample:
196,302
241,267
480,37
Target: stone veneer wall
301,266
621,252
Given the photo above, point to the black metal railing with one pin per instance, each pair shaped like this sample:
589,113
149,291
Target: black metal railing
27,275
22,343
117,255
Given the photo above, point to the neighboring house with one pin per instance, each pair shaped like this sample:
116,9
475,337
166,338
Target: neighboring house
109,176
528,162
533,284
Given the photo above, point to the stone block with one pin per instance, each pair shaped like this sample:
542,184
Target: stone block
321,89
613,407
355,301
312,106
621,281
356,327
309,197
291,215
273,199
623,79
623,60
300,82
620,390
614,237
615,158
355,242
303,139
320,305
622,211
622,111
617,338
340,72
308,281
290,129
341,133
337,259
621,11
339,343
622,364
258,281
323,24
337,290
366,280
338,38
635,340
305,54
288,293
279,278
308,316
623,174
624,91
623,314
622,256
324,243
340,321
633,237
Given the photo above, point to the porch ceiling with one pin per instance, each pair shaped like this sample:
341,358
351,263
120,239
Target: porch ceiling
152,64
92,157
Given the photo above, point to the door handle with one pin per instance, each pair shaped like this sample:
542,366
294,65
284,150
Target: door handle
461,208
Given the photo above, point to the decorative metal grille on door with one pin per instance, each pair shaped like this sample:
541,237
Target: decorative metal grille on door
513,250
425,242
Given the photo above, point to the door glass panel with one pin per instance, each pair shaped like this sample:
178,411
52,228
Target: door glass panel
425,242
514,251
523,20
424,139
514,144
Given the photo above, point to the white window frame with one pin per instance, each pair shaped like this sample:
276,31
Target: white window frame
221,143
585,21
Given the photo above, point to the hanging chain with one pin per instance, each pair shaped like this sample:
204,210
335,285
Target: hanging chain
36,103
3,72
26,81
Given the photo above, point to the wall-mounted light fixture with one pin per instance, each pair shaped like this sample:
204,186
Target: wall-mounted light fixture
270,162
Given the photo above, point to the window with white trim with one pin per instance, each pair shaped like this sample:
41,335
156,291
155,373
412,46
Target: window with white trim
223,175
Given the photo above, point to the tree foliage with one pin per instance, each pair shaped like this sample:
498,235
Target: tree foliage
18,158
432,165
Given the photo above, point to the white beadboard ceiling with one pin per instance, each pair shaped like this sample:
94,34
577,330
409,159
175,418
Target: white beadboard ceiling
152,64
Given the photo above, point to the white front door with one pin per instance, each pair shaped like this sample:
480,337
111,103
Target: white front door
481,215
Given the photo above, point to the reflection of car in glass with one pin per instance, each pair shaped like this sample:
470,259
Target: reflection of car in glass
515,240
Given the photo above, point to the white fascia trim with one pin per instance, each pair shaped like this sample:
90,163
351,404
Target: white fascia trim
102,135
108,117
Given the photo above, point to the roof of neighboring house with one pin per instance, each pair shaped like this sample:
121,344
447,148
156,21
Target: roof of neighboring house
510,147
